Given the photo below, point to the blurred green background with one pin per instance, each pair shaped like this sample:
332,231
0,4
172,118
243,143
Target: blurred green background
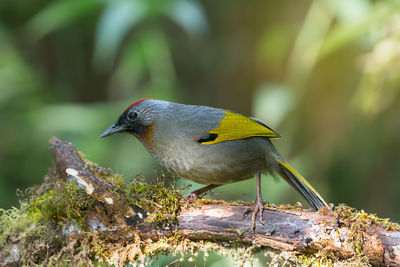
324,74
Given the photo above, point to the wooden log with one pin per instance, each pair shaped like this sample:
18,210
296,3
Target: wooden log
293,230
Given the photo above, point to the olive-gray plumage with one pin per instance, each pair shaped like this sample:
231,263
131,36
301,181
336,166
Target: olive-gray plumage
175,146
174,134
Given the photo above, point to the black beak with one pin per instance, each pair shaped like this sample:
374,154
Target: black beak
112,130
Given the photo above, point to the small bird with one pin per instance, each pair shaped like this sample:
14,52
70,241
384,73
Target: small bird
210,146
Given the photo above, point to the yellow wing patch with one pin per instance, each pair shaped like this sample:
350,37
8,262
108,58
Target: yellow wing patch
235,126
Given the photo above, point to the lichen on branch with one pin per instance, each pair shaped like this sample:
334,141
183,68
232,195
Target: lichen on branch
83,214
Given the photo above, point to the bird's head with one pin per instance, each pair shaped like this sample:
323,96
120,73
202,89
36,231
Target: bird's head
136,119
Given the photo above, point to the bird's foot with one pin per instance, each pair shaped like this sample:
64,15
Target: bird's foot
258,208
190,198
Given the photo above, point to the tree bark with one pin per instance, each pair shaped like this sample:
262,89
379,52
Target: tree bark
294,230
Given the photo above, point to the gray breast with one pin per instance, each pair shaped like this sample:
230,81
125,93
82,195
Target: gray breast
220,163
176,147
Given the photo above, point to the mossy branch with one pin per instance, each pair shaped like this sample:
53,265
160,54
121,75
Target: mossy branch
70,164
109,220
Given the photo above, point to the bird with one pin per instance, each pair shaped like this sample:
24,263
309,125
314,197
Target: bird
210,146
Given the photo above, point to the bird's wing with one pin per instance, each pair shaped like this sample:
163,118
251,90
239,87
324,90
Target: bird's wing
235,126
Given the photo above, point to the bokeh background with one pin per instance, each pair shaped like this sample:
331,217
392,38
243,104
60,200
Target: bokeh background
325,74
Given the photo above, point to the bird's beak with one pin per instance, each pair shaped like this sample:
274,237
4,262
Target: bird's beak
112,130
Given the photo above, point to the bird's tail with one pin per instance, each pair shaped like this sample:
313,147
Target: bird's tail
300,184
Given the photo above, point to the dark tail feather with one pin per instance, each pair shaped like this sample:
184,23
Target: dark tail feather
301,185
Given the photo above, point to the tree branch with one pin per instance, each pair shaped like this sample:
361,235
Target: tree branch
338,236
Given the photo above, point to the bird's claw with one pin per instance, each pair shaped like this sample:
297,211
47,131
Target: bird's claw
190,198
258,208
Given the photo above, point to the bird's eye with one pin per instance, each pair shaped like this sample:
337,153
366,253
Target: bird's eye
132,115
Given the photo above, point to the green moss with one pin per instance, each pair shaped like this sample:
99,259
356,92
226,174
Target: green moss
35,243
65,203
106,174
50,207
13,221
206,201
36,227
358,222
189,251
297,206
158,199
348,215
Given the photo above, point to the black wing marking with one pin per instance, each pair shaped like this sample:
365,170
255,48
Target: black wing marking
208,137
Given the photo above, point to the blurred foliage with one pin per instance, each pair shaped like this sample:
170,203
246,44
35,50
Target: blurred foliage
324,73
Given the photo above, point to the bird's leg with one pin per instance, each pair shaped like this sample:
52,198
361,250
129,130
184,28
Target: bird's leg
190,198
258,207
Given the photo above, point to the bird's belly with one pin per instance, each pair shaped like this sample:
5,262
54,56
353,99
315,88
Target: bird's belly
221,163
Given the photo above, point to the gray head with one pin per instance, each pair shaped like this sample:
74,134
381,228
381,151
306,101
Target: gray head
134,120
